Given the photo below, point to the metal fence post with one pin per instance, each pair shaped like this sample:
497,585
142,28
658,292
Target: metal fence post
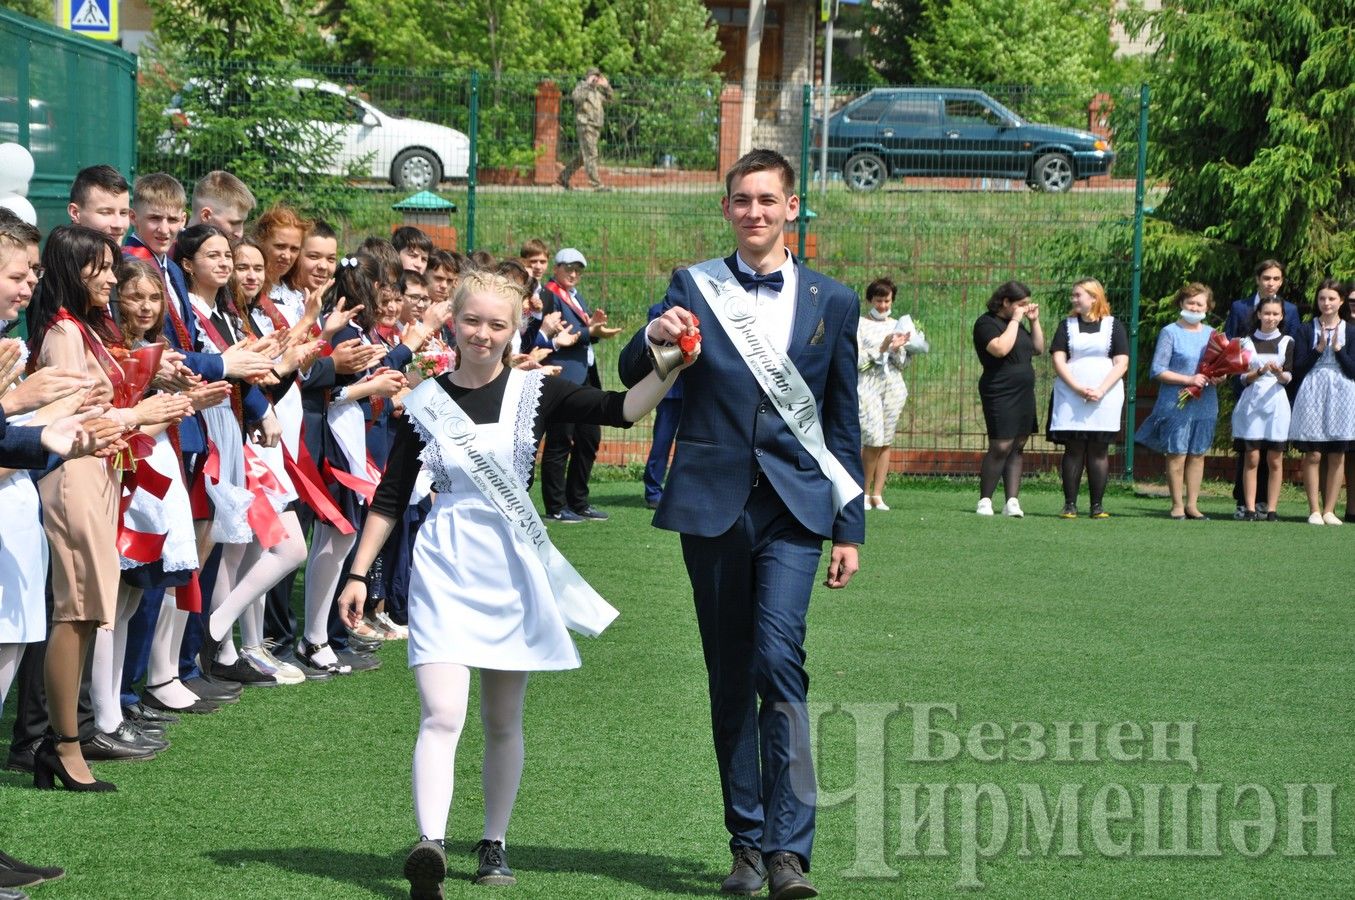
807,107
1131,407
474,159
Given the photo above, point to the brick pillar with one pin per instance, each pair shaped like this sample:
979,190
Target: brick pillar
547,141
1098,123
731,113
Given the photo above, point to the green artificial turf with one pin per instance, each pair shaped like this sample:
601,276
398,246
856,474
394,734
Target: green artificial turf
1241,628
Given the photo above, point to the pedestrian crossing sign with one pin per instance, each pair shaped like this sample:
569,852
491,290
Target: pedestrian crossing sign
93,18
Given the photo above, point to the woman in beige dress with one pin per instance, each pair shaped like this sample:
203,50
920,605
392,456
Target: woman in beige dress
70,329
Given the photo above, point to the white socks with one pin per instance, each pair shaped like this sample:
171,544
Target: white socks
443,690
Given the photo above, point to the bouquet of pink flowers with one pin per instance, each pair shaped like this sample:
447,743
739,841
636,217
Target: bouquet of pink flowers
1222,357
431,365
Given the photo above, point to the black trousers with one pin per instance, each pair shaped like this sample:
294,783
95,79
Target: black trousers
567,464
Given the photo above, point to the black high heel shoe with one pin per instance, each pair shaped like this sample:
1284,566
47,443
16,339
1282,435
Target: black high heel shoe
47,765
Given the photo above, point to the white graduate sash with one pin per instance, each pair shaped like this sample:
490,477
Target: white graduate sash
443,420
775,373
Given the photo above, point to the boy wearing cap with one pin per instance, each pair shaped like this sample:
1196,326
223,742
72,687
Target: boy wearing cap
567,461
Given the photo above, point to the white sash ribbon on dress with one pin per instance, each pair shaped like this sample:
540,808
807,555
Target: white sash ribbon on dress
581,607
775,373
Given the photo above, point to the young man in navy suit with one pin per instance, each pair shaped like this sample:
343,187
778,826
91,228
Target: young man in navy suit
767,468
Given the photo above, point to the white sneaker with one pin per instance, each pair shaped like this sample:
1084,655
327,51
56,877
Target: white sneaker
396,632
1316,519
985,507
1331,519
1013,509
283,673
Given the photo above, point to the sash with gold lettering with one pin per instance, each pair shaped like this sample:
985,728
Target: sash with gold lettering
775,373
444,421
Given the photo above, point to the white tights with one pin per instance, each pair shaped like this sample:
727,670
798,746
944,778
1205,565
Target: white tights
251,571
443,692
164,663
329,548
10,654
110,650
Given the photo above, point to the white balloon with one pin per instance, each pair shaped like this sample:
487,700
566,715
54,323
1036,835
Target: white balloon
16,169
21,208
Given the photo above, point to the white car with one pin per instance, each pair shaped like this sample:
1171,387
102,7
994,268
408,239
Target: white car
410,154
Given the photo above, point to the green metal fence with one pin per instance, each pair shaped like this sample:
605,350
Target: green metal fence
71,101
947,191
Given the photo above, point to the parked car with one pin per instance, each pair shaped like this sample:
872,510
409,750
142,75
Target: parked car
409,153
892,132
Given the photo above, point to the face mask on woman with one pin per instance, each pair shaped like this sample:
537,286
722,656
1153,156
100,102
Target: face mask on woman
1194,318
877,315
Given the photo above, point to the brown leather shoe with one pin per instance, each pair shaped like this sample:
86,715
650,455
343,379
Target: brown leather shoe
748,875
788,881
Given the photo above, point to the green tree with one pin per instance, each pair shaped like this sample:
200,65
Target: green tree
36,9
1052,49
229,67
891,26
1250,133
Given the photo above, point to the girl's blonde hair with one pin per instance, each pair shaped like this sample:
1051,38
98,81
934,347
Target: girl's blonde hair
1100,305
479,281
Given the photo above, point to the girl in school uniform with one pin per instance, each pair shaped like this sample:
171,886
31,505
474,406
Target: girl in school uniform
1323,422
1261,416
509,615
1091,355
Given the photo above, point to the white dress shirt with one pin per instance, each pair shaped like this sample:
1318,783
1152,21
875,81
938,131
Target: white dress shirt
775,309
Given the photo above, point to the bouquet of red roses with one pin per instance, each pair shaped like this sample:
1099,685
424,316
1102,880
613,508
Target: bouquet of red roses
139,368
1222,357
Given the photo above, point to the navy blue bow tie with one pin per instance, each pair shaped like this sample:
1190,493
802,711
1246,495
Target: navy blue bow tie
751,280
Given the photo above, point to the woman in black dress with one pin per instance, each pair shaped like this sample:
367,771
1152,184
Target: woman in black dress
1007,389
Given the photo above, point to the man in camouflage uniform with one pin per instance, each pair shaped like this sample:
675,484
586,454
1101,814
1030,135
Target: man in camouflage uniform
589,96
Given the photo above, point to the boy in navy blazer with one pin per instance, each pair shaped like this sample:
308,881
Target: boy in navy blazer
754,500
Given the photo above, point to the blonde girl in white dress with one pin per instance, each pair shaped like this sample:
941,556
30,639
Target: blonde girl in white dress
485,593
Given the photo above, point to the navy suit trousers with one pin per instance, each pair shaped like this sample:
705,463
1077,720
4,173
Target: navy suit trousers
751,586
666,418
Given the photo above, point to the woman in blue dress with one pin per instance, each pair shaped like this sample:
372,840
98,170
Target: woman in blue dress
1183,433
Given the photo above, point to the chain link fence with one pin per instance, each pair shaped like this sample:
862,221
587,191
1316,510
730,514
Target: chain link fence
948,191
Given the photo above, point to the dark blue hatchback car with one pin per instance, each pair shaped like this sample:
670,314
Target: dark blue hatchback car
891,132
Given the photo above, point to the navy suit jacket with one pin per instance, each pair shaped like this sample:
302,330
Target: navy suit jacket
21,446
1239,315
573,360
729,430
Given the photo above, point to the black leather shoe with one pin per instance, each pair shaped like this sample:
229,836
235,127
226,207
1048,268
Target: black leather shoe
104,746
787,878
21,758
358,662
10,882
493,868
199,707
242,672
9,866
7,894
217,692
426,868
748,875
140,712
131,733
311,673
